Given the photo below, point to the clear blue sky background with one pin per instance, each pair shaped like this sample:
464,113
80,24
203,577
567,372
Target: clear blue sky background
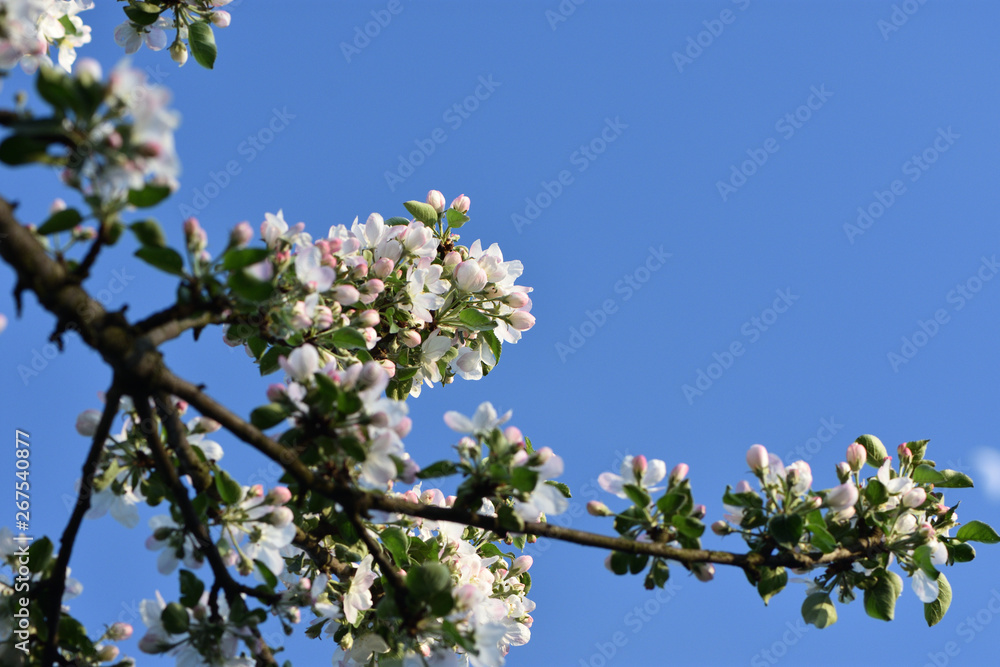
887,95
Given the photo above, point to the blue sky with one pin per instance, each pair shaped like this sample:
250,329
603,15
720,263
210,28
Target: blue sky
672,175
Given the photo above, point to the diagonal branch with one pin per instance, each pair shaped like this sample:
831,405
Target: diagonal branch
193,524
52,604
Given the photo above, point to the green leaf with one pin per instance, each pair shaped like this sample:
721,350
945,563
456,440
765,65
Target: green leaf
229,489
165,259
637,495
880,599
397,542
39,555
563,488
425,213
268,415
142,15
191,589
266,574
175,618
428,579
670,503
918,448
494,343
202,42
476,321
772,581
523,479
396,220
438,469
787,529
620,562
818,610
962,552
348,338
60,221
876,451
56,88
952,479
922,557
148,232
638,563
456,218
151,195
688,526
19,149
875,492
660,572
237,259
977,531
248,287
924,474
935,611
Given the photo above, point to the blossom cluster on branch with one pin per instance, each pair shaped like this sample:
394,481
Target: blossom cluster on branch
353,543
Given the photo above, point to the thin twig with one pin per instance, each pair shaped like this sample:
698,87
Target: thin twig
57,581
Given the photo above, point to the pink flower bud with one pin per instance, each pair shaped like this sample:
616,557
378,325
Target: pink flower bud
757,458
57,205
597,508
279,495
914,497
346,295
107,653
255,491
179,53
856,456
679,472
703,571
470,277
926,531
461,204
517,300
843,471
280,517
513,435
720,527
87,421
383,267
841,497
436,200
276,392
521,320
904,452
743,487
368,318
544,454
88,68
699,511
639,466
389,366
521,565
607,563
452,259
403,427
119,631
241,235
410,338
221,18
373,286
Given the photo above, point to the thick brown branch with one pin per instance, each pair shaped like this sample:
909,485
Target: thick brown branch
52,604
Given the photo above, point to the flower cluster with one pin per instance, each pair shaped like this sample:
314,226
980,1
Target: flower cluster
899,507
29,27
400,291
113,139
673,519
191,21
